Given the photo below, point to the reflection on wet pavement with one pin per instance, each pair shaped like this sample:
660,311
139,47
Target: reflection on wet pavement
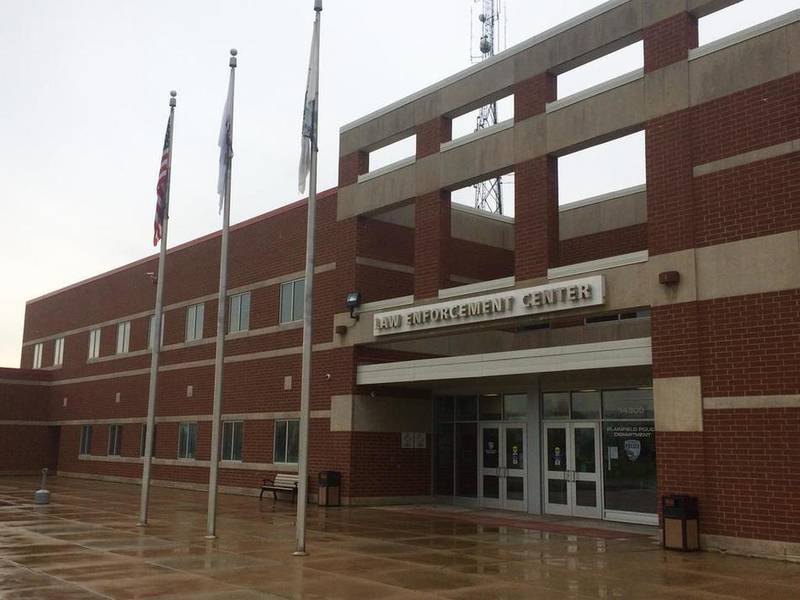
85,544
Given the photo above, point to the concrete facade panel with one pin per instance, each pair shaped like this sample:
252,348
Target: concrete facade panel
678,404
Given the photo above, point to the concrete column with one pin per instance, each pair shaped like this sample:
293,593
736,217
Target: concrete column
669,41
431,244
432,134
536,219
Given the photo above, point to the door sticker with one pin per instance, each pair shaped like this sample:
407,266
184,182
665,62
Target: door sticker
633,448
557,456
515,455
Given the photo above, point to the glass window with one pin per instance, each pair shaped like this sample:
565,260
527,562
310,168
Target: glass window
143,440
555,405
466,461
187,440
151,330
490,407
232,432
58,352
629,462
94,343
287,441
115,440
194,322
123,337
292,299
466,408
37,355
515,407
585,405
86,440
239,313
443,457
443,409
628,404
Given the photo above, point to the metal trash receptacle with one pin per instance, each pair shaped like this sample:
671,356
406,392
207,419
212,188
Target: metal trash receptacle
681,523
330,488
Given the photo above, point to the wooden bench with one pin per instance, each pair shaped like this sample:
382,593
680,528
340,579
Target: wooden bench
280,482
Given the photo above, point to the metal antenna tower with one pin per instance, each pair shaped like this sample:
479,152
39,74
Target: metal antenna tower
489,193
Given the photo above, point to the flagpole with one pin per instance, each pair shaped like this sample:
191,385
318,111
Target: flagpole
308,315
155,334
222,303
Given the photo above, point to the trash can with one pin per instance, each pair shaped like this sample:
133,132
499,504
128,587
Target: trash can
681,528
329,488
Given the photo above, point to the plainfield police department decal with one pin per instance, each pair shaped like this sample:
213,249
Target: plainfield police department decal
551,297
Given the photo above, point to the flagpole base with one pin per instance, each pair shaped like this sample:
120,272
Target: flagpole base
141,524
299,553
209,537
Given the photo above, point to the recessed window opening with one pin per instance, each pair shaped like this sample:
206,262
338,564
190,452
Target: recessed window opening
602,169
496,112
741,16
617,317
607,67
488,194
392,153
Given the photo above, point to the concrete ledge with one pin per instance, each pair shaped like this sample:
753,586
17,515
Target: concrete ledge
383,264
594,90
598,265
748,157
788,551
387,169
502,126
474,288
750,402
388,303
637,189
745,34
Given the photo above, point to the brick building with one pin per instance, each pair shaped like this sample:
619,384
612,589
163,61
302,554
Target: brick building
578,359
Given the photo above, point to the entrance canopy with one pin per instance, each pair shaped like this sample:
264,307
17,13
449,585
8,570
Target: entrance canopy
578,357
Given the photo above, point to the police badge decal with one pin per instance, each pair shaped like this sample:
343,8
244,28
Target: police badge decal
633,448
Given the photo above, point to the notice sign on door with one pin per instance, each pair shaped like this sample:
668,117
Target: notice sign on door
565,295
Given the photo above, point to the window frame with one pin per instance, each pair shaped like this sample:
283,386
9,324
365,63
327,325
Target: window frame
293,317
85,444
232,432
194,313
190,428
58,352
94,343
242,320
123,337
38,350
114,440
285,423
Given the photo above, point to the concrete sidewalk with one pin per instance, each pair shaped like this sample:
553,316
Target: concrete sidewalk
85,544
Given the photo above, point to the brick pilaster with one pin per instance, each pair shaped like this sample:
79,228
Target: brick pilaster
431,244
536,221
669,41
670,181
531,95
432,134
351,166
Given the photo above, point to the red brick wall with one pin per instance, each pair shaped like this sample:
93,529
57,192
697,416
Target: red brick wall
754,118
380,467
681,466
757,199
675,334
431,244
751,344
669,41
669,184
536,217
531,95
753,458
601,245
351,166
432,134
478,261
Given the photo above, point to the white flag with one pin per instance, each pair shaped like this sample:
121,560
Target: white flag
308,138
225,143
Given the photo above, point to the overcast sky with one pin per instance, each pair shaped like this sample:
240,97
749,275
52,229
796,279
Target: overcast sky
84,105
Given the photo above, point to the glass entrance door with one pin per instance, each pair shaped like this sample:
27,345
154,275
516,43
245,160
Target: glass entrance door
503,468
572,469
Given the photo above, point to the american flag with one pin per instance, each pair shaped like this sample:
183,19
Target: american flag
161,186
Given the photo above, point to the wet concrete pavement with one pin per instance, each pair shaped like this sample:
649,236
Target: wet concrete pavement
85,544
